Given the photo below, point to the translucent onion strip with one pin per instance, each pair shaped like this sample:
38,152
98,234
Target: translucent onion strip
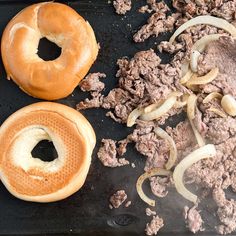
191,102
143,177
186,77
218,112
207,151
191,106
194,60
211,96
173,150
161,110
209,77
133,116
207,20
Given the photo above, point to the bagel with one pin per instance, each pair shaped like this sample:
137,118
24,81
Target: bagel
32,179
61,25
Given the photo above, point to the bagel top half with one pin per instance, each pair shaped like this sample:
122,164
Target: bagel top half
61,25
32,179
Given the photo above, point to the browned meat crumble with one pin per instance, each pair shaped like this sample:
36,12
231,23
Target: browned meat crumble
118,198
122,6
193,219
154,226
107,154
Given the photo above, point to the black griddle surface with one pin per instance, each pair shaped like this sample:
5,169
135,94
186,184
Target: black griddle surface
87,212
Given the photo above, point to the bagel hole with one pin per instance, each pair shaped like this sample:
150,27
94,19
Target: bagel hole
45,151
47,50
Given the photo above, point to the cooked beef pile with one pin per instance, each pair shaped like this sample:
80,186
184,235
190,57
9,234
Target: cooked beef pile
145,82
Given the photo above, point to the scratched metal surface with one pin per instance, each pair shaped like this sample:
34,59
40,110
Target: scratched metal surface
86,212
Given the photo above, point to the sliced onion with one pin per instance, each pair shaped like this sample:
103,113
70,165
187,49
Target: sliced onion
161,110
192,101
201,44
218,112
133,116
209,77
228,103
194,60
184,68
186,77
208,20
211,96
180,104
194,88
152,107
173,150
143,177
207,151
175,93
191,106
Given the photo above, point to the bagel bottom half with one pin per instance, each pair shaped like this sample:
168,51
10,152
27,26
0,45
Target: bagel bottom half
31,179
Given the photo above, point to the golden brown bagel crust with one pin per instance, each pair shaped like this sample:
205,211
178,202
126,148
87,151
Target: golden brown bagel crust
70,131
60,24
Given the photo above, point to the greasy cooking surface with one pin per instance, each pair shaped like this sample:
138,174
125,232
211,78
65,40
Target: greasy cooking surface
87,211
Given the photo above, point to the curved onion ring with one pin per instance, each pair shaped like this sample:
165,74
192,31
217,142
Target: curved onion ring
173,150
161,110
218,112
206,151
199,46
208,20
211,96
143,177
133,116
209,77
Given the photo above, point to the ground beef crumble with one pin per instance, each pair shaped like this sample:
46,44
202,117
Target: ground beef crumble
193,219
122,6
118,198
107,154
149,212
154,226
158,186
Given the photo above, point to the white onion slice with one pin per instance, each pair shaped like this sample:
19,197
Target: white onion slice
191,106
173,150
228,103
218,112
207,151
211,96
208,20
161,110
143,177
209,77
194,60
201,44
152,107
184,68
133,116
186,77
